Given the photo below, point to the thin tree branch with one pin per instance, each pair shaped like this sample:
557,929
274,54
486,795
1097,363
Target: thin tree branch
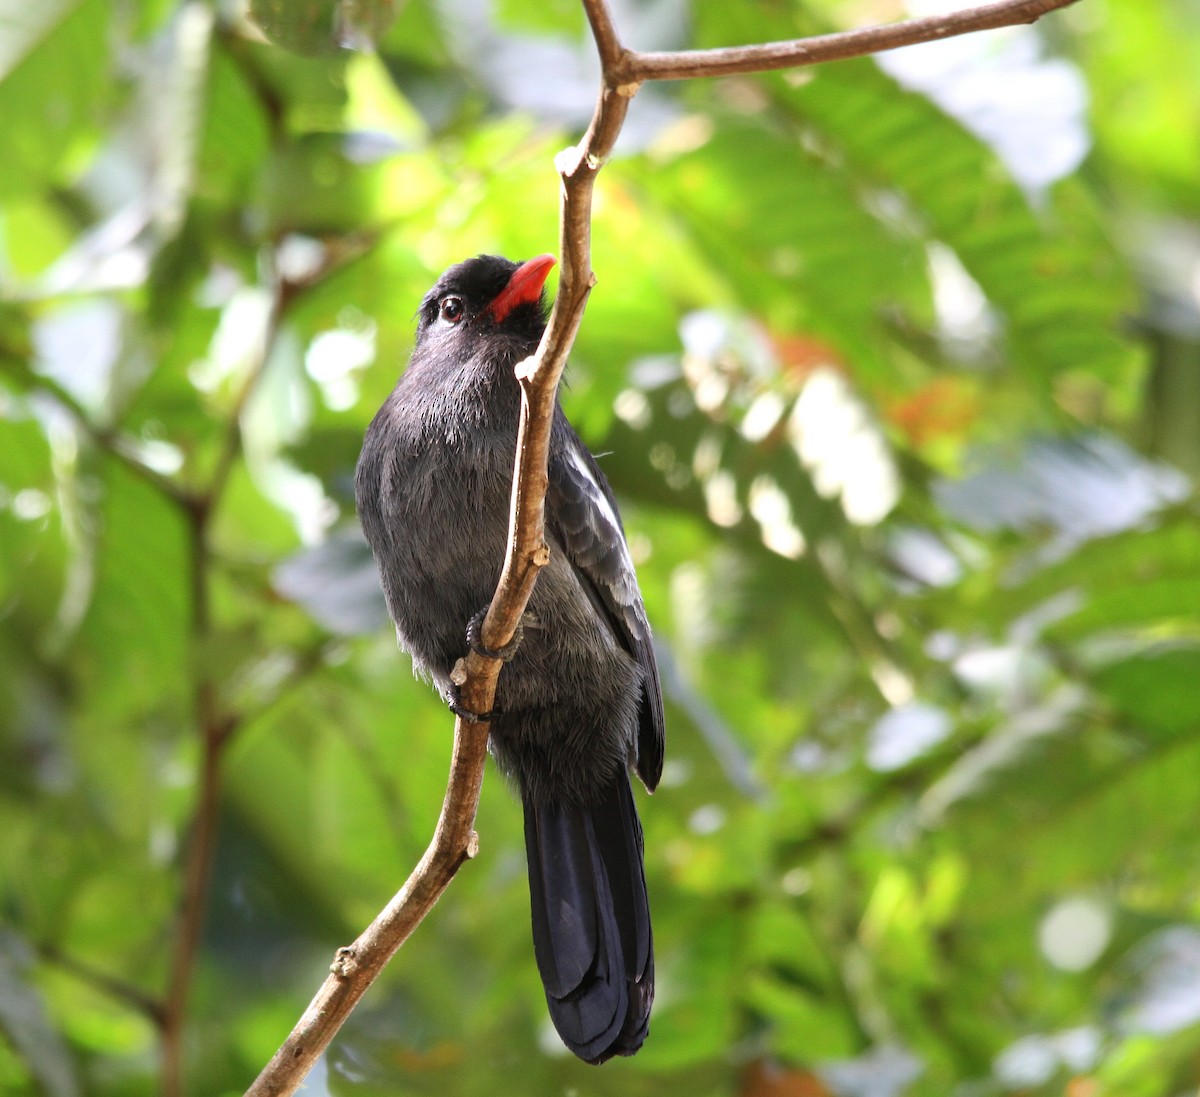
214,729
455,841
214,725
15,363
356,966
633,67
608,43
115,987
539,375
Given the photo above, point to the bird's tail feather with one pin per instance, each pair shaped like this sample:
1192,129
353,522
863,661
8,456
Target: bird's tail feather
591,921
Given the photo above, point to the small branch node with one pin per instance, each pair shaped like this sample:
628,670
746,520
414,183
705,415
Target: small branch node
566,161
345,963
526,369
458,673
472,849
628,90
541,555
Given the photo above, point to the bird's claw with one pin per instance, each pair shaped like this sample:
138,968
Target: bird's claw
475,639
456,706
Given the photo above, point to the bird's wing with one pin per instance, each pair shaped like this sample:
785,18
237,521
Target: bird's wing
581,512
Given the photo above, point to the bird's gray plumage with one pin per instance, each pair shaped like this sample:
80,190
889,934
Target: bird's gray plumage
580,701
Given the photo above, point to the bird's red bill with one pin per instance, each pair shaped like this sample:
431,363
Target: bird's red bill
524,287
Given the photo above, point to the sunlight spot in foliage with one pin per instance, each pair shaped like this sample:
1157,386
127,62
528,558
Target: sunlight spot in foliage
923,557
79,345
904,734
707,819
238,341
762,416
299,258
332,360
676,772
1034,1060
30,504
796,881
1075,933
771,509
884,1071
1083,487
1167,998
895,685
632,407
965,318
842,447
720,496
1031,110
685,134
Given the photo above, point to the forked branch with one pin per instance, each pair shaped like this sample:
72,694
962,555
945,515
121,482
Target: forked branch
454,840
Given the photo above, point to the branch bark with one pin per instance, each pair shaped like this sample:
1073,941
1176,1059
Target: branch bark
455,841
214,726
356,966
634,67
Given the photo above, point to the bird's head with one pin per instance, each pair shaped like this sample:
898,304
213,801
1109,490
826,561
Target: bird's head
486,300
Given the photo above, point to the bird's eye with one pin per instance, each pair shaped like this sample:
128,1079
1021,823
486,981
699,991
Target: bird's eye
451,309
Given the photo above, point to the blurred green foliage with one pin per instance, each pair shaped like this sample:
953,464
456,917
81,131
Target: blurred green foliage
894,367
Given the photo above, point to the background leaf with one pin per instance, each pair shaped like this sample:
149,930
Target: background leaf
891,365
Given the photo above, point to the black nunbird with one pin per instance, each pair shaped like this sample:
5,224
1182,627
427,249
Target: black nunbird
579,702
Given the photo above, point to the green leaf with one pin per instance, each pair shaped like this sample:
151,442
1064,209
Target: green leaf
54,97
134,646
24,26
33,539
1053,275
317,27
1157,690
560,18
795,241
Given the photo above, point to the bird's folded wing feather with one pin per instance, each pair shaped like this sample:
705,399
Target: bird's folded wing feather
581,513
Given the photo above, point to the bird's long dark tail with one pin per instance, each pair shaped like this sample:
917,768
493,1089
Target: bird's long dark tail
591,921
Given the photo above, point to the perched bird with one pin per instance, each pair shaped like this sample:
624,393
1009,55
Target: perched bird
579,701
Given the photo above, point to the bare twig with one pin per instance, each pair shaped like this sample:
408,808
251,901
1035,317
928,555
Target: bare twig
118,989
634,67
608,44
455,840
214,729
355,967
15,363
539,375
214,725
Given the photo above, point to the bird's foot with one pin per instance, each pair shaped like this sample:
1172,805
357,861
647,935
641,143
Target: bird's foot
454,703
475,639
